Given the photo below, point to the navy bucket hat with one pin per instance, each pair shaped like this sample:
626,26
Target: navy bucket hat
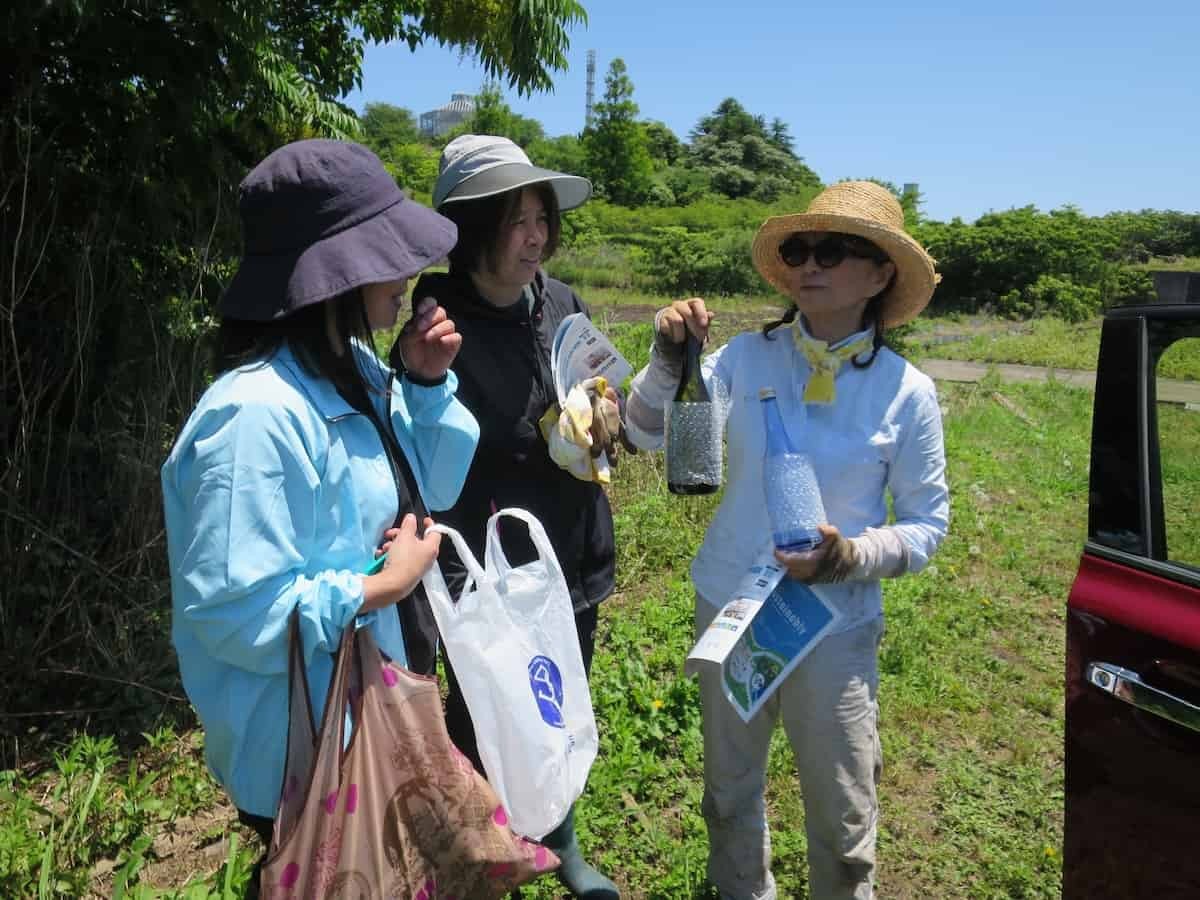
319,218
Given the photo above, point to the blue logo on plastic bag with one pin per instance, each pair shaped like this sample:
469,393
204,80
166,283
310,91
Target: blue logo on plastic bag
546,683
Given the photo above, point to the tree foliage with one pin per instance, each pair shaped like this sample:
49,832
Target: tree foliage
618,160
124,132
383,125
661,143
1023,262
744,157
493,115
391,131
564,153
518,41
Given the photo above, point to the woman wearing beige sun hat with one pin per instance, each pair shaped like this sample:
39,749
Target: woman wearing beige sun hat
871,424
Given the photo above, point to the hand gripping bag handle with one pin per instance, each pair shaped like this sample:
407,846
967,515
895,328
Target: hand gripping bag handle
494,559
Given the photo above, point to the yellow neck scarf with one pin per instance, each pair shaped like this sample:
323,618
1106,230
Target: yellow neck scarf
825,362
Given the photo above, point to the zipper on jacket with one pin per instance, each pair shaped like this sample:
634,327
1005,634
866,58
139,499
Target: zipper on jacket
532,319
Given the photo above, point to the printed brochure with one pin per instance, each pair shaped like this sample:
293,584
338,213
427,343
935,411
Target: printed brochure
762,634
580,351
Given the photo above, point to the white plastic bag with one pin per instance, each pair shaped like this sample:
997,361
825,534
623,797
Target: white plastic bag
512,641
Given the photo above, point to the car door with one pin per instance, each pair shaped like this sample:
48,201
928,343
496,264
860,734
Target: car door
1132,744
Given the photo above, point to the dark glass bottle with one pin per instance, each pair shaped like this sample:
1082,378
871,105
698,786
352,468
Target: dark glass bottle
693,431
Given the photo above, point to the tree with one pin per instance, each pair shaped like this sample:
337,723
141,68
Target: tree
415,168
662,144
743,157
494,116
383,125
781,137
564,153
618,160
124,131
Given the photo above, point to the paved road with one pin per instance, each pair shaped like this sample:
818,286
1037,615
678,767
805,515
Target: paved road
1169,390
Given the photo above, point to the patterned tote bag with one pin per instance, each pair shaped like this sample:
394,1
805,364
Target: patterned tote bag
395,812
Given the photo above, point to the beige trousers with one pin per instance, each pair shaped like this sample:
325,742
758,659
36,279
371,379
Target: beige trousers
830,714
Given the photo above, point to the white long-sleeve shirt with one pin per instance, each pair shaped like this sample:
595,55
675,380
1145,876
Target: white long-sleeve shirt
883,435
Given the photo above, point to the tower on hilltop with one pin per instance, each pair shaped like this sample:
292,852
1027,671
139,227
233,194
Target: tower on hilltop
591,88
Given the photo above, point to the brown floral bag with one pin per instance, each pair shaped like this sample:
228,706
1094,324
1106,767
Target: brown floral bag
399,812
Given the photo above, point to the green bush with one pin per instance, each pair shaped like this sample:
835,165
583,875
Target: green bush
1052,295
1126,286
709,263
594,265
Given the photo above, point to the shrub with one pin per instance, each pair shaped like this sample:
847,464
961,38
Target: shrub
1052,295
594,265
1127,286
710,263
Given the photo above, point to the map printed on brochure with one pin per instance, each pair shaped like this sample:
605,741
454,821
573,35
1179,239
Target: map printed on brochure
762,634
579,351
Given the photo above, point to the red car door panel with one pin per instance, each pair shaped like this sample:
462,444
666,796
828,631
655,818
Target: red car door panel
1132,743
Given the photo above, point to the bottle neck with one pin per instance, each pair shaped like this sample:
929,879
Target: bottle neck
778,441
691,383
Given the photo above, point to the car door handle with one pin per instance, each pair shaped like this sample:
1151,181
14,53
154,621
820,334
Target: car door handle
1128,686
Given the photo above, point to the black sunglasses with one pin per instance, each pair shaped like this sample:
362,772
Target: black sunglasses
828,252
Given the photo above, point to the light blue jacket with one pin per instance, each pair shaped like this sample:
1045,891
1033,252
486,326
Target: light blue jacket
277,493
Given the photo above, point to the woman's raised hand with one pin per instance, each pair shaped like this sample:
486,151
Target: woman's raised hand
408,558
429,341
675,321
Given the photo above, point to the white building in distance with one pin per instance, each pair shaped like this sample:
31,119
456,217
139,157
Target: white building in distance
440,120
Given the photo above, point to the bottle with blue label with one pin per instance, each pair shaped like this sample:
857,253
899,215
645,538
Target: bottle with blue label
793,496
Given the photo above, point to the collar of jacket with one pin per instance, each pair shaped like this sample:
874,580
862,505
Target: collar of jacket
459,292
320,391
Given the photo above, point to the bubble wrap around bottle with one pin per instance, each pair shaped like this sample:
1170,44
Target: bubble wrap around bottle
694,439
793,500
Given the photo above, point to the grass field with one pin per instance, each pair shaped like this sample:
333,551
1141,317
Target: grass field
971,693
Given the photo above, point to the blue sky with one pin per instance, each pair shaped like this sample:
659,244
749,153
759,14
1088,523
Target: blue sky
985,106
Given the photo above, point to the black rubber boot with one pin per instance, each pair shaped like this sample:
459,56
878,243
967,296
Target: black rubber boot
576,875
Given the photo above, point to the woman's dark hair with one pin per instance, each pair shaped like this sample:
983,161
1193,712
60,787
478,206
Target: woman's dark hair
481,221
241,343
872,315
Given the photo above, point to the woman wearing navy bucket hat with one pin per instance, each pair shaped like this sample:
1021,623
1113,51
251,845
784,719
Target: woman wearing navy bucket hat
507,212
305,450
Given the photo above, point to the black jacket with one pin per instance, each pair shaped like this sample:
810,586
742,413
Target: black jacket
504,379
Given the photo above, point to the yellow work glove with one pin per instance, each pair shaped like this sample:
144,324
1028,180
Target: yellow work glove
568,433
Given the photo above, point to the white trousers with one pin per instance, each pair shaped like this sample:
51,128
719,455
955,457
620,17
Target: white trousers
830,714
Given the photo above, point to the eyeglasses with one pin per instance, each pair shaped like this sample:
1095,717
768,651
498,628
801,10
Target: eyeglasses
829,251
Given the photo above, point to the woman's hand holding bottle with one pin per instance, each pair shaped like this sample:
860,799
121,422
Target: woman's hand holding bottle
831,560
409,556
675,321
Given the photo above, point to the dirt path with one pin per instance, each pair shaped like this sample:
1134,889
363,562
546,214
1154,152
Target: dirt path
1169,390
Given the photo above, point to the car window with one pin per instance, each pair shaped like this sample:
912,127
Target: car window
1179,449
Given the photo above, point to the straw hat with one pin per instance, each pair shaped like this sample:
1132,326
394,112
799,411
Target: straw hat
868,210
474,166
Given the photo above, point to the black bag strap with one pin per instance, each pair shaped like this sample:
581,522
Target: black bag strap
402,473
416,615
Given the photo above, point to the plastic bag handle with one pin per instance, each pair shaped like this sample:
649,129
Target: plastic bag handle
475,572
494,559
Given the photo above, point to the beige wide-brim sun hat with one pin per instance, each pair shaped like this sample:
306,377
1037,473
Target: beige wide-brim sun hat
474,166
870,211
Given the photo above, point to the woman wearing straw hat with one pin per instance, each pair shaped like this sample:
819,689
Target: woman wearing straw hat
306,450
507,212
872,425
